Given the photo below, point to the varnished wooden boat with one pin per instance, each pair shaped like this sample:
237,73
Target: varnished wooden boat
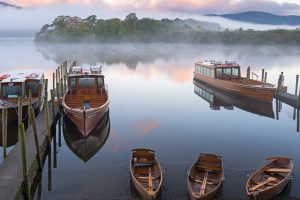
227,76
217,98
205,177
146,173
16,84
270,179
86,147
86,100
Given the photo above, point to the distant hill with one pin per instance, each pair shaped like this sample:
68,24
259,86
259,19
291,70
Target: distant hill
262,18
2,4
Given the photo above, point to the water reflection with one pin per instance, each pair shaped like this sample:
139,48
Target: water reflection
218,99
86,147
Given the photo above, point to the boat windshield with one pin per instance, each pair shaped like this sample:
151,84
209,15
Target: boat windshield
34,87
11,91
86,83
227,72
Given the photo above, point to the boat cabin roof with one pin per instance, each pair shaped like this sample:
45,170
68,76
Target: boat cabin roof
85,70
218,64
19,76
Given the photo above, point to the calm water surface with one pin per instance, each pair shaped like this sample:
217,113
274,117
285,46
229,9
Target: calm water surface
155,104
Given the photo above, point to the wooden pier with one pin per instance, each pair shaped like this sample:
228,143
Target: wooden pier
20,168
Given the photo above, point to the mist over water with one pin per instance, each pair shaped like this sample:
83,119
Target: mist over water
153,104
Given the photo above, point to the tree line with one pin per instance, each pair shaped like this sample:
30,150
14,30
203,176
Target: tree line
132,29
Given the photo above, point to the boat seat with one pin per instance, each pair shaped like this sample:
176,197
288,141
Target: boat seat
207,166
261,184
277,170
201,181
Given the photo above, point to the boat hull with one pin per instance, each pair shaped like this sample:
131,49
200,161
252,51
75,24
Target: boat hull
86,120
243,90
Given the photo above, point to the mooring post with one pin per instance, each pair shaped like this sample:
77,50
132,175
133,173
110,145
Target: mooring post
47,121
65,83
262,75
36,140
298,120
61,88
277,110
52,102
248,72
4,131
54,150
59,131
279,84
40,95
20,114
266,75
46,88
24,159
49,168
57,92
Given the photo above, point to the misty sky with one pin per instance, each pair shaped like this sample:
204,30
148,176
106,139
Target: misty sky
36,13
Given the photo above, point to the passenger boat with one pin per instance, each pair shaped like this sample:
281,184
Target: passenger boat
86,100
86,147
227,76
218,98
146,173
205,177
16,84
270,179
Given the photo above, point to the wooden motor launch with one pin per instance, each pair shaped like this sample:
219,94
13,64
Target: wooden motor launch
86,99
16,84
227,76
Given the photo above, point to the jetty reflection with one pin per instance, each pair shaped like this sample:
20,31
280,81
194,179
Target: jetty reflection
218,99
86,147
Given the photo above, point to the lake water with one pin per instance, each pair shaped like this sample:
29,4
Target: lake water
155,104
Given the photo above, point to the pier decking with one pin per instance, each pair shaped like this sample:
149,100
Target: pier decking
11,178
289,99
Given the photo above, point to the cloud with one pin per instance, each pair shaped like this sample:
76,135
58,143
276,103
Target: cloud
184,6
146,126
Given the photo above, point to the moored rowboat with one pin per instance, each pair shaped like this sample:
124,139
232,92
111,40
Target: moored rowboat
146,173
205,177
270,179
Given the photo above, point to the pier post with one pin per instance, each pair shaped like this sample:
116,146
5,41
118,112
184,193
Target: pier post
29,105
57,92
24,160
47,121
4,131
53,79
46,88
49,168
248,72
266,74
277,110
54,150
36,140
262,75
65,83
61,88
20,114
279,84
52,102
40,95
59,131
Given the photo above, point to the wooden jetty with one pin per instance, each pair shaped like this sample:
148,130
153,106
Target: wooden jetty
20,169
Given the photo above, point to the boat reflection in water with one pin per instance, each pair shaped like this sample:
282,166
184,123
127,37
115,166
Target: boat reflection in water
86,147
218,99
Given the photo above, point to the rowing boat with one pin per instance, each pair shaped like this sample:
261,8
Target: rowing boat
270,179
205,177
146,173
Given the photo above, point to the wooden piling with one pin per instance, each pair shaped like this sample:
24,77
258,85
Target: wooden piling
266,74
47,121
49,168
29,105
262,75
4,131
65,83
57,92
24,160
59,132
279,84
40,95
20,114
61,88
54,150
52,102
46,88
248,72
296,87
277,110
36,140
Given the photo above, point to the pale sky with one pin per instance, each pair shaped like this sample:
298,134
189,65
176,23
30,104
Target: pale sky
36,13
284,7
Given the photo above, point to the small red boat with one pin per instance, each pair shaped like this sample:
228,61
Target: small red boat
86,100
